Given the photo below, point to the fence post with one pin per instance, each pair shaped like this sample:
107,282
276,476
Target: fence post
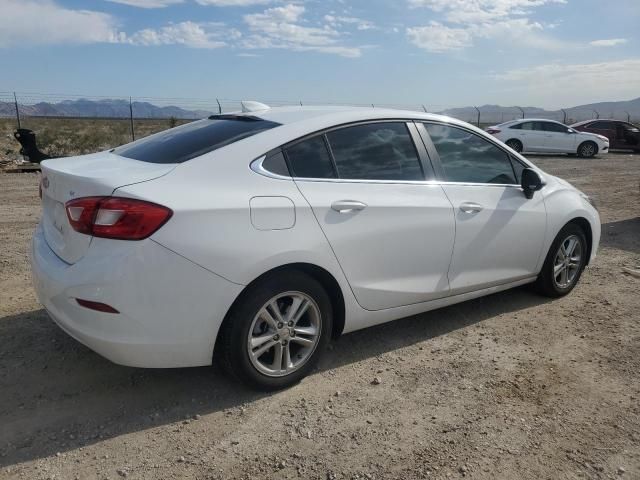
521,111
478,122
373,106
15,101
564,113
597,114
219,106
628,116
300,102
424,108
133,135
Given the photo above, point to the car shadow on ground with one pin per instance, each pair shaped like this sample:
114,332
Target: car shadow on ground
57,395
623,235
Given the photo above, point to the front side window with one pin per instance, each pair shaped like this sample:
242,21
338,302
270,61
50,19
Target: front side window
468,158
376,151
555,127
310,159
179,144
601,126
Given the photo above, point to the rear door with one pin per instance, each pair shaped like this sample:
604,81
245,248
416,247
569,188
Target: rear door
499,232
531,135
607,129
391,230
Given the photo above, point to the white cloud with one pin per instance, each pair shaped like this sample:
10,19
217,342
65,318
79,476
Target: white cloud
279,27
574,83
147,3
361,24
610,42
233,3
467,20
438,38
189,34
37,22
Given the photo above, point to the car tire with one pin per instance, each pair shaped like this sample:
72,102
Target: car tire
514,145
293,344
559,274
587,149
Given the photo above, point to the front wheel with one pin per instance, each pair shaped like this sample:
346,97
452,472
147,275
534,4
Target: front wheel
276,331
587,149
565,262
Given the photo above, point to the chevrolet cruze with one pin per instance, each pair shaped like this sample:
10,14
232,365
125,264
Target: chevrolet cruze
251,239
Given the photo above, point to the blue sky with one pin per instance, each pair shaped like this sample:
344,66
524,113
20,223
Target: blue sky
549,53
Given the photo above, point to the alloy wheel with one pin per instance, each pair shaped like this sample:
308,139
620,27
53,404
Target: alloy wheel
568,262
588,150
284,334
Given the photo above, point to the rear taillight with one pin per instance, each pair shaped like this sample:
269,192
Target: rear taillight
116,217
493,131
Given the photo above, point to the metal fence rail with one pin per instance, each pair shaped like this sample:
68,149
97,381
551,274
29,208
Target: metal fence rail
138,116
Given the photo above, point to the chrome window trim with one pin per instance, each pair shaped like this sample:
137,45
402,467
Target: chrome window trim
257,167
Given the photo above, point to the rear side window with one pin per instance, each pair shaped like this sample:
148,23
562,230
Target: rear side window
179,144
376,151
466,157
310,159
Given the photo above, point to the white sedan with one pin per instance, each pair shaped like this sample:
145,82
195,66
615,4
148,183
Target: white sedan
535,135
253,238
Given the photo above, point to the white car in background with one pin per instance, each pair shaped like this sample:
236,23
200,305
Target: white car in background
534,135
255,237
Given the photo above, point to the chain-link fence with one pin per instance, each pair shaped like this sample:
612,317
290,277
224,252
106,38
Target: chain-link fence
74,124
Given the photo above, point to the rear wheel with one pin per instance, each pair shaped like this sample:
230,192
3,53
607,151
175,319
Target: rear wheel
565,262
515,145
277,331
587,149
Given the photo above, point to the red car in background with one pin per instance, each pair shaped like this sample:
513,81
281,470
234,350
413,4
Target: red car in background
621,135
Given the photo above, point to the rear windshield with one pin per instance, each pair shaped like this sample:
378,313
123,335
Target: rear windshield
185,142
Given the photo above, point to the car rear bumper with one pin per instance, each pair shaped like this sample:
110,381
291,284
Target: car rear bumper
170,308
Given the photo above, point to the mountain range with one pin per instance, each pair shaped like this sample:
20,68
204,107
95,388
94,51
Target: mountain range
489,113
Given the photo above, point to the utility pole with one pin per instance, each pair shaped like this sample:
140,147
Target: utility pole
133,134
15,101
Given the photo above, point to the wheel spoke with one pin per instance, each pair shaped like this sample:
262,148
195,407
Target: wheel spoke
277,357
264,348
296,310
558,269
286,354
257,341
267,317
312,331
571,247
564,277
302,341
276,310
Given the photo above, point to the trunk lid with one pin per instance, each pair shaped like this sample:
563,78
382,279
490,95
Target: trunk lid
98,174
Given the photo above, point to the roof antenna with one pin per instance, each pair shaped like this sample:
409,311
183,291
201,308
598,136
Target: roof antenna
251,106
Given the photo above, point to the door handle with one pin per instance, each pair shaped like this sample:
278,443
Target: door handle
471,207
348,206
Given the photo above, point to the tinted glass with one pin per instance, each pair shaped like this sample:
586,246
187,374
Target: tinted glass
602,126
310,158
185,142
517,126
275,163
526,126
517,168
465,157
554,127
377,151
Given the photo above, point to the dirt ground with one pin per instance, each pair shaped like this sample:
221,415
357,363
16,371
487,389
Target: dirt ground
511,386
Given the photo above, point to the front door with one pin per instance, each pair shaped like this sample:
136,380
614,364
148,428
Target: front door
499,232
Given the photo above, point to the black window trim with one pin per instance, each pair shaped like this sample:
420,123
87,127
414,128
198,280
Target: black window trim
435,157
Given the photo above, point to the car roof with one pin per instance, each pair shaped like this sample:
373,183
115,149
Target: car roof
537,120
298,114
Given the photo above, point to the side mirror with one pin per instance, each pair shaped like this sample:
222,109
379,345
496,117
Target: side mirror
530,182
